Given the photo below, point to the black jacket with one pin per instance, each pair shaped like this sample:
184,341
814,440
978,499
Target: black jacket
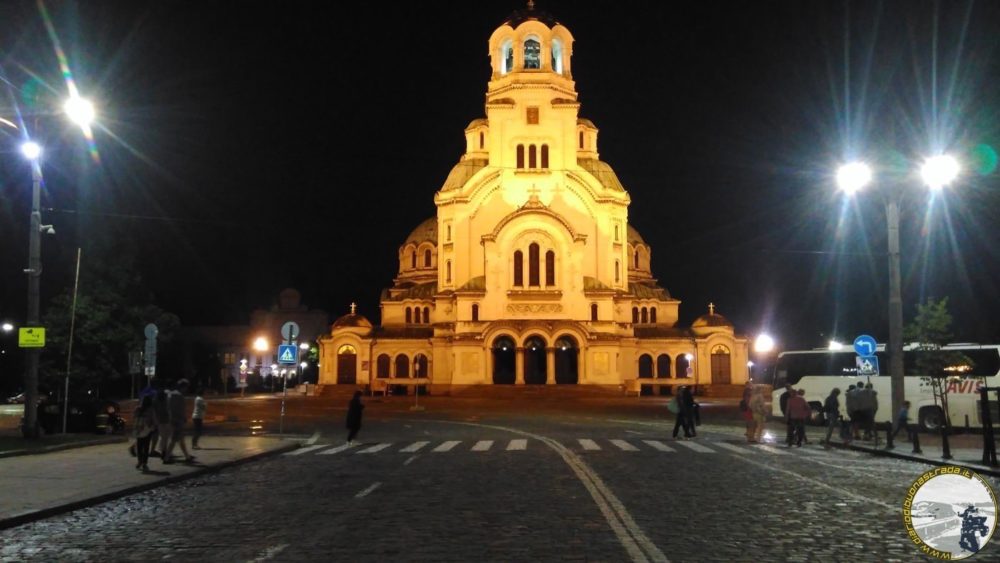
354,413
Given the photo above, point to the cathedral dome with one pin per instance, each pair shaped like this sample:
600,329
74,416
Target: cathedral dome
711,320
425,232
352,320
530,14
634,237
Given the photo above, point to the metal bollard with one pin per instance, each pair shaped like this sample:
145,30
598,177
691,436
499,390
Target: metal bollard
888,437
916,443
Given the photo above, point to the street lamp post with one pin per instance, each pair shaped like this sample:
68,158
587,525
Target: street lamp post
33,152
937,172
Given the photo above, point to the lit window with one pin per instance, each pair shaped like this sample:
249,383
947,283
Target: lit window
557,64
506,57
532,54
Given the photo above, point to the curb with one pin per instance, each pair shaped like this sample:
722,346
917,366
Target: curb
76,505
67,446
982,469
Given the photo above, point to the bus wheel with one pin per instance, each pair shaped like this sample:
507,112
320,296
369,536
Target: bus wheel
931,419
816,417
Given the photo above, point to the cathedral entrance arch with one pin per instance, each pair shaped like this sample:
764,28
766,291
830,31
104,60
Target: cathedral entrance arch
534,361
347,365
721,365
504,361
645,372
567,353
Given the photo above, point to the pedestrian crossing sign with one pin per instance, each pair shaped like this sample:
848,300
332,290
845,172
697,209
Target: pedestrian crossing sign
288,354
867,365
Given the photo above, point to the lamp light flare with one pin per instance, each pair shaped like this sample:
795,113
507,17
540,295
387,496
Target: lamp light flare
7,327
835,346
853,177
261,344
939,171
31,150
763,344
80,111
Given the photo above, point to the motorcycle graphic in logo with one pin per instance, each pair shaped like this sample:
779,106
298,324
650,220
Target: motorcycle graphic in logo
950,513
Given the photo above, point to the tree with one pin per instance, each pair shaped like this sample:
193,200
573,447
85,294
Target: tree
112,308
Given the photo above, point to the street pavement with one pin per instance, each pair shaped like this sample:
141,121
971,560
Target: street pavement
510,480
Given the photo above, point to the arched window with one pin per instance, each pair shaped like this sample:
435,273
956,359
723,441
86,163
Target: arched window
550,268
420,366
447,272
427,315
402,366
475,312
448,236
346,349
618,271
482,139
382,366
532,157
427,258
617,236
518,268
645,315
416,315
520,156
545,156
663,366
635,315
637,259
507,57
409,315
532,54
652,315
413,259
593,311
533,278
581,139
557,64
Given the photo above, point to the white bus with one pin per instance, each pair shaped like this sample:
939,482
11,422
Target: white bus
819,371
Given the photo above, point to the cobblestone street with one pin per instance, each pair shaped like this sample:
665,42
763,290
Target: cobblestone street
579,486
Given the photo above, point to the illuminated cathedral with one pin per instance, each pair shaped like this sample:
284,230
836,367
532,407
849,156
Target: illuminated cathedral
530,273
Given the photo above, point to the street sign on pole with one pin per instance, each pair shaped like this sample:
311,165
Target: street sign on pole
865,345
31,337
290,331
867,365
288,354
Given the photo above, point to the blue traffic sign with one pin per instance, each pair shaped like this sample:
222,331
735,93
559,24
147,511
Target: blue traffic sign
288,354
865,345
867,365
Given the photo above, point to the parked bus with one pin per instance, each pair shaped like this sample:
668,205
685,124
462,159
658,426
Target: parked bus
819,371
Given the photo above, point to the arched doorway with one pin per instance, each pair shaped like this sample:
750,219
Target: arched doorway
682,366
534,361
721,365
663,370
567,354
420,370
504,361
402,370
645,372
382,366
347,365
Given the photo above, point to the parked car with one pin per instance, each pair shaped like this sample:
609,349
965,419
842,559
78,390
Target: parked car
99,416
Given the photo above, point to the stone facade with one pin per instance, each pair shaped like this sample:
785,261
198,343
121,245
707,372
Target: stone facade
530,273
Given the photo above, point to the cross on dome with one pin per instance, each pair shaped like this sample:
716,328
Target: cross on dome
711,308
354,307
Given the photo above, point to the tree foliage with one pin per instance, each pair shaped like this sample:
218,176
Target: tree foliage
929,331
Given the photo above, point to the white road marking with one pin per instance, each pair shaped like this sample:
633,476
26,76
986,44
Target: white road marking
447,446
517,445
658,445
892,507
307,449
410,459
589,445
313,439
695,446
414,447
624,446
811,451
365,492
733,448
482,446
633,432
376,448
770,450
269,553
336,450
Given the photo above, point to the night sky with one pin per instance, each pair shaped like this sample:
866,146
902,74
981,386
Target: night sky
250,146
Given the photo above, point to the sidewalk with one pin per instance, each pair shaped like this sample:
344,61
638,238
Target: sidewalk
38,486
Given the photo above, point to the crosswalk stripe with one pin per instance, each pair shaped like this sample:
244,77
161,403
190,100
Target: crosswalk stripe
732,448
414,447
810,451
771,450
336,450
376,448
658,445
447,446
624,446
589,444
517,445
307,449
482,446
696,447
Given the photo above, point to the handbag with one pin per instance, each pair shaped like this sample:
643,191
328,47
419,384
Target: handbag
673,406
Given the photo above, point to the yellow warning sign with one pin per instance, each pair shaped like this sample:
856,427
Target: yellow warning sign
31,337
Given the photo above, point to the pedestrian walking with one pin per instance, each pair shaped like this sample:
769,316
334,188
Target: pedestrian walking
162,413
683,413
745,410
149,391
354,411
903,421
197,418
143,428
867,404
759,409
178,417
783,399
851,404
831,410
798,411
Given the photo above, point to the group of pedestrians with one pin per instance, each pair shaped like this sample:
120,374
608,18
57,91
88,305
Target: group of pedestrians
160,419
687,412
862,404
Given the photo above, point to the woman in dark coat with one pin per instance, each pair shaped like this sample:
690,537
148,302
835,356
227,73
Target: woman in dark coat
354,409
688,407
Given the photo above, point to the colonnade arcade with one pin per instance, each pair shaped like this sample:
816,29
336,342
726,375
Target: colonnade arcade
534,359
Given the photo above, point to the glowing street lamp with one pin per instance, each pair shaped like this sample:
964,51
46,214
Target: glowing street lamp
80,111
7,327
853,177
31,150
835,346
939,171
764,344
261,344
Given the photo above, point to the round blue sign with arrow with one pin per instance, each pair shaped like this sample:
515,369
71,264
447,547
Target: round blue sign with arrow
865,345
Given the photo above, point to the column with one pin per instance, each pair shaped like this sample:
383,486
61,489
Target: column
519,366
550,366
490,366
